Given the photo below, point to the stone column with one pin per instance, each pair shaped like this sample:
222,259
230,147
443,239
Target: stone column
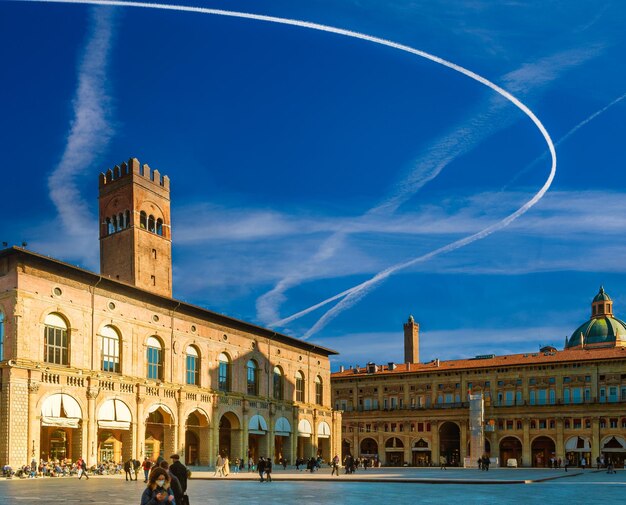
463,448
595,440
34,436
140,427
180,432
91,454
434,429
526,452
560,443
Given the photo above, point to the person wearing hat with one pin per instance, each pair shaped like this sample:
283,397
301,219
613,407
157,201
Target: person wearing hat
179,470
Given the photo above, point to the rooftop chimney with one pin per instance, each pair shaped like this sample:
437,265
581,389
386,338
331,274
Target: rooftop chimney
411,341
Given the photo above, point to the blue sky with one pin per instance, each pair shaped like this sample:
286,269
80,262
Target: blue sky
304,163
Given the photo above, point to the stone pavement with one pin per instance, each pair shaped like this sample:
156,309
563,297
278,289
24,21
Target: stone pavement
590,487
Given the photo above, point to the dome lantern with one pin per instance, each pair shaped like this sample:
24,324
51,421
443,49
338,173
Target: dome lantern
602,305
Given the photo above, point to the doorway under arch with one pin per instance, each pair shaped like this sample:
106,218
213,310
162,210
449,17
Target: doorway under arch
450,443
542,449
510,448
229,436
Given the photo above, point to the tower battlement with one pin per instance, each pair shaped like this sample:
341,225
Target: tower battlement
130,168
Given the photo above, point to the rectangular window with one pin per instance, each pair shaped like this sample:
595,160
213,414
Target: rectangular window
375,404
577,395
154,363
448,398
299,388
541,397
367,404
193,374
613,423
385,404
602,395
518,397
56,345
578,424
566,396
612,394
420,426
532,396
110,354
587,394
223,378
552,397
542,424
509,398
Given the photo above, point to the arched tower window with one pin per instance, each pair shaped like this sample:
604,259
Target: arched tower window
279,383
155,359
319,390
143,220
56,340
300,386
252,378
120,222
192,366
159,226
1,336
114,225
127,218
224,372
109,226
110,349
151,223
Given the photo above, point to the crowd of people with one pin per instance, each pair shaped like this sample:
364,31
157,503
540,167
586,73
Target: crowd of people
61,468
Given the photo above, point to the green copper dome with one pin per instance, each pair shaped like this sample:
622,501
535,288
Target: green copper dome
599,331
601,296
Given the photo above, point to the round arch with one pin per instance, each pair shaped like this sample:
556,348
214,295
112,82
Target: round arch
450,442
510,449
543,451
368,447
114,414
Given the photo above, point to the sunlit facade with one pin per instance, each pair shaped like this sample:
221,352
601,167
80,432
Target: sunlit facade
109,366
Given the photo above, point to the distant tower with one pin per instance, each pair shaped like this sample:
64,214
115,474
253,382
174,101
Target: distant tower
135,231
411,341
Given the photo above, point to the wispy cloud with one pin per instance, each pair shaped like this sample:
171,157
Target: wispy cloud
489,119
89,134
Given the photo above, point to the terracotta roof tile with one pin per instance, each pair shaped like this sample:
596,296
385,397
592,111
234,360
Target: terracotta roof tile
536,358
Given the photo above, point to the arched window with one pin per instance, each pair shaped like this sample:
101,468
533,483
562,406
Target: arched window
120,222
109,225
159,226
299,386
114,225
1,336
319,390
155,358
56,340
151,223
252,378
143,220
127,219
192,359
223,373
279,382
110,349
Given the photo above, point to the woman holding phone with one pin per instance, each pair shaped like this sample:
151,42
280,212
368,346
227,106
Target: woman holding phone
158,490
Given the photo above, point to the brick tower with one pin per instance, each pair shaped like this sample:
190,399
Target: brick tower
135,231
411,341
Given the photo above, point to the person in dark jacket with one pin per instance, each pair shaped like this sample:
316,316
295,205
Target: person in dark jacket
174,483
261,468
179,470
127,466
158,491
268,469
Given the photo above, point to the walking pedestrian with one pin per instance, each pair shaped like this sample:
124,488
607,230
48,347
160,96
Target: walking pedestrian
146,466
268,469
335,466
158,490
81,465
261,468
182,474
127,466
174,483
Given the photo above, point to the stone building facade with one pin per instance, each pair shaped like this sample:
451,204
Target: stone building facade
109,366
537,406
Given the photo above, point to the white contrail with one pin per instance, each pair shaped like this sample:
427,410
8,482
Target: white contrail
353,292
89,133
